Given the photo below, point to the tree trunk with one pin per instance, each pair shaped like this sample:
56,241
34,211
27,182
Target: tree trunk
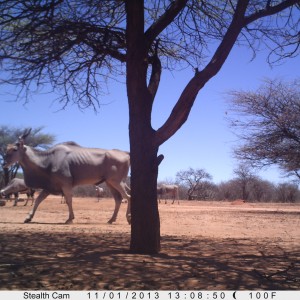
145,223
145,226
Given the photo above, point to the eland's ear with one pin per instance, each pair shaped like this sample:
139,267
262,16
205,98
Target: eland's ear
22,137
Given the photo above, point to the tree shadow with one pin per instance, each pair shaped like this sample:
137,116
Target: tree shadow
75,261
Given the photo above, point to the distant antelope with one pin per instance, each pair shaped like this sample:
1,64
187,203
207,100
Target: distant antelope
17,186
99,191
170,190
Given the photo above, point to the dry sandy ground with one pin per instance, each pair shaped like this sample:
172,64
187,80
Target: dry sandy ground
205,246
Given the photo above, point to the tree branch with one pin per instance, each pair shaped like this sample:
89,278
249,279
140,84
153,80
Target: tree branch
164,20
270,10
155,74
184,104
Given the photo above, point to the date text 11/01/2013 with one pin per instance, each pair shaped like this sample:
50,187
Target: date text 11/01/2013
183,295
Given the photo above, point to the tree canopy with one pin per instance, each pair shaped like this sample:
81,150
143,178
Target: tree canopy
77,46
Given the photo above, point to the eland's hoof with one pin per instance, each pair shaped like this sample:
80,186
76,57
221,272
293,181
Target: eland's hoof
27,220
69,222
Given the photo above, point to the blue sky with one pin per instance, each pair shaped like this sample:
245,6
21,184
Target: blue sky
204,141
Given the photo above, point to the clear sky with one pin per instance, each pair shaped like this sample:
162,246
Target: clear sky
204,141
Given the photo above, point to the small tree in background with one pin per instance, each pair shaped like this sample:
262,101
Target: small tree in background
244,177
261,190
287,193
226,190
268,125
194,180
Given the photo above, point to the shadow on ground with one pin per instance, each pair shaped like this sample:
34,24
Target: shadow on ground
65,261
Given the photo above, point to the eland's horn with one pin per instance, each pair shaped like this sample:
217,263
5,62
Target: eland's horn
25,134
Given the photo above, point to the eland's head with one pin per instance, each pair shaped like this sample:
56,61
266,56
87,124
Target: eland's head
14,151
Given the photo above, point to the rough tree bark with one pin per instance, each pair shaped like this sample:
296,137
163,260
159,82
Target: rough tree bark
145,224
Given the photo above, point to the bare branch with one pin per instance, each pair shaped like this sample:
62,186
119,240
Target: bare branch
164,20
155,74
270,10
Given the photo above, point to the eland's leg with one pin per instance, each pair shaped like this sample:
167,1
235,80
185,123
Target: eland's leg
16,199
124,190
128,211
118,200
128,197
26,201
43,194
68,198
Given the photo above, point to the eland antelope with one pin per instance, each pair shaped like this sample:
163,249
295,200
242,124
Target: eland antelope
170,190
99,192
17,186
66,165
